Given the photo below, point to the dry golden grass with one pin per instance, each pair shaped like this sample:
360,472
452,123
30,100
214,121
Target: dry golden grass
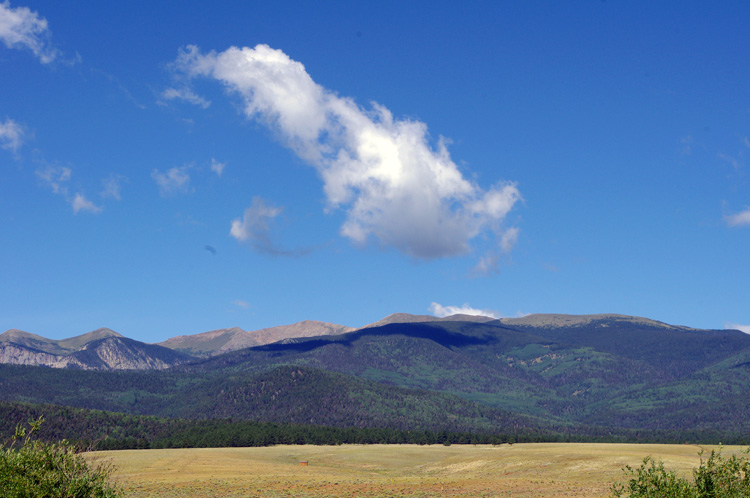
520,470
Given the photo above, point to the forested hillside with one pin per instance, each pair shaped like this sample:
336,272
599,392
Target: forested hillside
605,376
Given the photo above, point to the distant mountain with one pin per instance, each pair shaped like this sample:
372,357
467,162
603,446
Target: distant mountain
591,374
206,343
407,318
102,349
52,346
221,341
557,367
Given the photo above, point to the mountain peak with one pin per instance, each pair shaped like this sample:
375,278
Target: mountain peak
77,342
409,318
557,320
12,335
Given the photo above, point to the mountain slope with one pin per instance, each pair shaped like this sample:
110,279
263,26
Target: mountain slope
674,350
224,340
102,349
564,372
407,318
281,394
52,346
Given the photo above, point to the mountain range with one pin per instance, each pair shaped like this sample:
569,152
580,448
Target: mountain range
105,349
592,374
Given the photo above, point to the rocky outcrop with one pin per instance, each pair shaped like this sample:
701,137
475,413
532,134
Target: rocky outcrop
110,352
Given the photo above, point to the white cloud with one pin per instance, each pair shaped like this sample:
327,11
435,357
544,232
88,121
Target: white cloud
11,135
509,239
255,226
442,311
217,167
112,185
241,304
80,203
393,184
736,326
738,219
187,95
174,181
20,27
56,178
490,262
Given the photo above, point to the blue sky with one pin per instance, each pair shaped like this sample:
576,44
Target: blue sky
171,168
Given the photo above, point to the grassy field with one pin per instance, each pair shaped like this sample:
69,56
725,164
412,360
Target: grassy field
520,470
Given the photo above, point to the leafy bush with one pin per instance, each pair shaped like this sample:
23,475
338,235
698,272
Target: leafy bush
50,470
717,477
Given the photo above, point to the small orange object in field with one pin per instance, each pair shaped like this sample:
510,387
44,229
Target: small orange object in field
303,463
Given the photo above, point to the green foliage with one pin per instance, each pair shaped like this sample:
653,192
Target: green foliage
49,470
717,477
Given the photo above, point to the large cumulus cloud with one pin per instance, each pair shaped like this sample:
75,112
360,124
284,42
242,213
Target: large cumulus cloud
394,185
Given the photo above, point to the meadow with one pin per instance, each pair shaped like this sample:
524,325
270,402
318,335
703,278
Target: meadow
519,470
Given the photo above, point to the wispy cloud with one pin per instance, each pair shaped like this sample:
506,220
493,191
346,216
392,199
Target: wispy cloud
185,94
80,203
241,304
11,135
217,167
736,326
174,181
255,227
112,186
490,263
394,185
442,311
731,160
22,28
57,178
738,219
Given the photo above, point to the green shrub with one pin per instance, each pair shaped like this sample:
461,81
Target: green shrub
717,477
49,470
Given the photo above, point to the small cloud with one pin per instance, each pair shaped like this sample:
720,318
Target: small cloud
442,311
210,249
185,94
550,267
746,142
736,326
80,203
11,135
20,27
56,178
217,167
255,226
739,219
490,263
172,182
241,304
733,161
112,185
